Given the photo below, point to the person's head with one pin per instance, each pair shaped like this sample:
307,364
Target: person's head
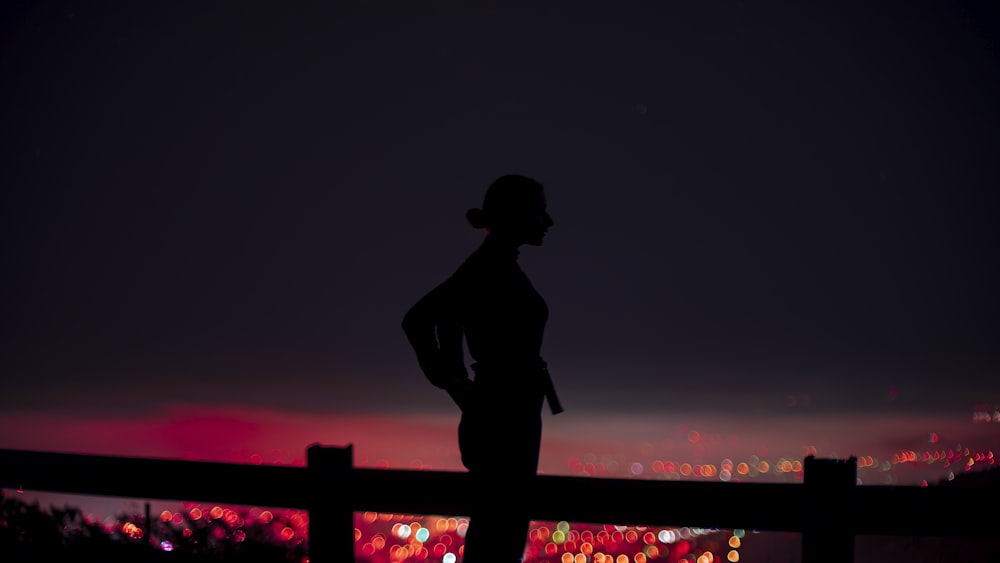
514,209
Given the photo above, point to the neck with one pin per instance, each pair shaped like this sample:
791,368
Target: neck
501,242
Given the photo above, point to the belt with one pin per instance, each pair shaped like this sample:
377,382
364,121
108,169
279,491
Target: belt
549,387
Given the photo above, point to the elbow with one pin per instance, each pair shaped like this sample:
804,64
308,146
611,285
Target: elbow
410,322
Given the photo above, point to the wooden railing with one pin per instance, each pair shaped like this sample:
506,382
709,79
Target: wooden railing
827,508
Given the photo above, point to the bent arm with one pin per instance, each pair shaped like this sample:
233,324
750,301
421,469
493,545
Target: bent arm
434,329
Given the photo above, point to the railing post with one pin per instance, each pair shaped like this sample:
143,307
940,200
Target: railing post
827,537
149,528
331,507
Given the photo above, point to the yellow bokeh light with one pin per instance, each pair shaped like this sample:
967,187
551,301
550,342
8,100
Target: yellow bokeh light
566,558
733,556
742,468
233,518
734,542
132,530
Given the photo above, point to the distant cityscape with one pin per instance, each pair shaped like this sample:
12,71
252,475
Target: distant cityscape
890,452
986,415
233,531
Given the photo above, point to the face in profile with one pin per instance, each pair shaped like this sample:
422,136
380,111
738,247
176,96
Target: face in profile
516,211
536,222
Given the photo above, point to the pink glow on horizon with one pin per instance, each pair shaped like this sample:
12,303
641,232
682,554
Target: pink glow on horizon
234,433
243,434
639,446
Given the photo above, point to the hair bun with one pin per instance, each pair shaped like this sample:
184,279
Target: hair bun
476,217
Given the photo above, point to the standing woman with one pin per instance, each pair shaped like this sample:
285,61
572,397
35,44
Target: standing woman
490,302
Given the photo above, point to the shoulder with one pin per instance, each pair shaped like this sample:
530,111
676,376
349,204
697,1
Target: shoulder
479,263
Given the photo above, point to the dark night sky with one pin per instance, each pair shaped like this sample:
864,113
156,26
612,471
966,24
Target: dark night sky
755,206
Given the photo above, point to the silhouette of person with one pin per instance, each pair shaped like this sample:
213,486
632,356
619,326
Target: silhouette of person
491,303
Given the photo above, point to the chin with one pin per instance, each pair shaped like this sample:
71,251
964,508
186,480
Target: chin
535,240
